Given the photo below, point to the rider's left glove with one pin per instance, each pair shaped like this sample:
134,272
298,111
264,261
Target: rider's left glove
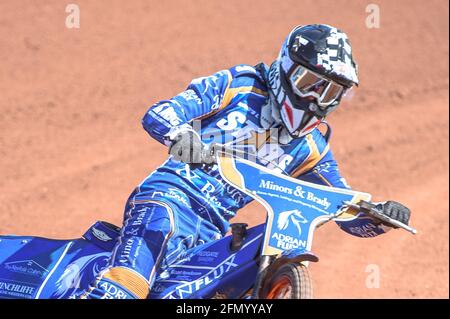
395,211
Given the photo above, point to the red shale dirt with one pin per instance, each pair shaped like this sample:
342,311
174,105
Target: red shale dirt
72,147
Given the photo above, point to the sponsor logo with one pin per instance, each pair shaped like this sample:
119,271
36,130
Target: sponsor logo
125,255
369,230
27,267
297,192
112,291
285,219
157,288
175,194
247,136
287,242
167,113
78,271
294,216
100,234
190,95
233,120
171,193
206,257
206,253
187,289
208,189
16,289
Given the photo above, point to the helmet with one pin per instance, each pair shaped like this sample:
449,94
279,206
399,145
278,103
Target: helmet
314,69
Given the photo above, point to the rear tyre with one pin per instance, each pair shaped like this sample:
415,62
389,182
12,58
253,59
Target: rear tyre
291,281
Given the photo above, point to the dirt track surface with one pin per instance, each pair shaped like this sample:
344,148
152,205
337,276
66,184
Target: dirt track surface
72,147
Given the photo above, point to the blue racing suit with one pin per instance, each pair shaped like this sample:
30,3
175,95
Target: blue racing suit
178,206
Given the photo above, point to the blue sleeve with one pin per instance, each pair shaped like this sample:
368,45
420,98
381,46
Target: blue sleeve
202,97
326,172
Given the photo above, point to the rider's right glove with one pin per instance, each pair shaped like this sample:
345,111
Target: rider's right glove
186,147
395,211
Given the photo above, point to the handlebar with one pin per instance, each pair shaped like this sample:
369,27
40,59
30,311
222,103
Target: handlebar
208,156
371,210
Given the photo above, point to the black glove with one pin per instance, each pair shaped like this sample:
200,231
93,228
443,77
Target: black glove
395,211
187,147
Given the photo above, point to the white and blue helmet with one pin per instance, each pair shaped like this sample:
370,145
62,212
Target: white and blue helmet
314,69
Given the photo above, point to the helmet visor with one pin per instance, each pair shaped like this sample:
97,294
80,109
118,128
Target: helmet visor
306,83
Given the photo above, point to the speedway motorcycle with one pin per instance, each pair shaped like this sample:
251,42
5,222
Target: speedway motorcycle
268,261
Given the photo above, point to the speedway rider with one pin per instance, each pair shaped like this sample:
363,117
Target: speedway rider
183,203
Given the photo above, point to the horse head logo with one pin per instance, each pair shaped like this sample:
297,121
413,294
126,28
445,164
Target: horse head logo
294,216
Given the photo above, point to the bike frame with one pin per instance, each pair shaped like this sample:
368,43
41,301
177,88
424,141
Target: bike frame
44,268
294,210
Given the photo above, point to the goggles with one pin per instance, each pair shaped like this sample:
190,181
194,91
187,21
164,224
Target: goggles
306,83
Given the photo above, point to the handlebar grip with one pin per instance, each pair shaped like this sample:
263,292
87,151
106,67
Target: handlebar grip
371,210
